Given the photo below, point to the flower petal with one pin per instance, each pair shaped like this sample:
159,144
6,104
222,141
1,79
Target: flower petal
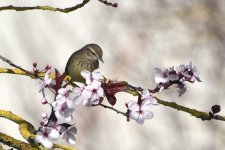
47,143
133,106
86,74
53,134
62,91
39,137
96,75
148,114
140,119
145,104
134,115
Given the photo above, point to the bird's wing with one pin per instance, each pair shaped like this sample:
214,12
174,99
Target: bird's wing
70,61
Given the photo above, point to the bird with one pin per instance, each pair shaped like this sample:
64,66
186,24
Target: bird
87,58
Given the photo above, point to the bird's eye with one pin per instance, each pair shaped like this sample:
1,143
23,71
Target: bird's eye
92,53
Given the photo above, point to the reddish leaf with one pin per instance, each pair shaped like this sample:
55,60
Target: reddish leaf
58,80
113,88
111,99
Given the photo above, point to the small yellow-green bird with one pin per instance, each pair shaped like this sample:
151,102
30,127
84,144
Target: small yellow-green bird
87,58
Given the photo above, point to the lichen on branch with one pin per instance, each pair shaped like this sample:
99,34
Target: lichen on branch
27,131
10,141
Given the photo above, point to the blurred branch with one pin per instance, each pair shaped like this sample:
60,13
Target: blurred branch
55,9
108,3
49,8
1,148
27,131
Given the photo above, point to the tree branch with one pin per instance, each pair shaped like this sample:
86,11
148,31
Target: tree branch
131,90
10,141
49,8
26,129
196,113
18,67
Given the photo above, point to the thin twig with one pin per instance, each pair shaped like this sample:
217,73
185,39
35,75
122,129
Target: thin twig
108,3
18,67
110,107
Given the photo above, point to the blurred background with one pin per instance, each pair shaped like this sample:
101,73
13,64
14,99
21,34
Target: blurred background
136,37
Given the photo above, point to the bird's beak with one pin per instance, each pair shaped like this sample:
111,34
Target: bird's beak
101,60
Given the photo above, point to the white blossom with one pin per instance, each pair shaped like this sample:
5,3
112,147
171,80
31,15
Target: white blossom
195,72
44,115
65,96
92,94
47,136
189,72
181,88
140,112
173,76
161,76
47,81
62,111
69,134
77,91
145,95
92,77
64,104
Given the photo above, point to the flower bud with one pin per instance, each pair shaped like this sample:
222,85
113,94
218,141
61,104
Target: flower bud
34,64
44,101
215,109
44,115
115,5
48,67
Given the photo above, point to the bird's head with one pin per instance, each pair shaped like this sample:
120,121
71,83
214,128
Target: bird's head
93,52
